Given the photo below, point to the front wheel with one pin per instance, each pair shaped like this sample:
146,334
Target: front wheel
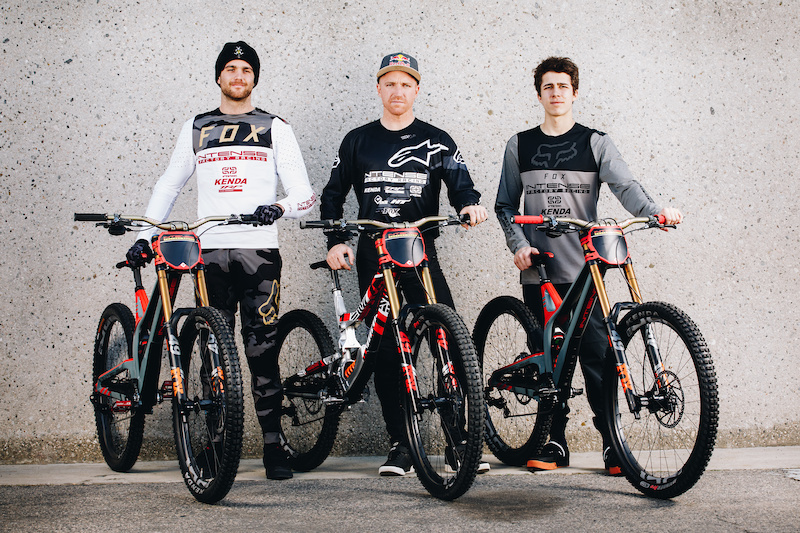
516,425
209,422
309,425
665,451
446,433
120,423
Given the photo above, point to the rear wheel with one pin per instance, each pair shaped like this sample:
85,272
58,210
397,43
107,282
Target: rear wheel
516,425
120,423
309,425
209,423
446,435
665,451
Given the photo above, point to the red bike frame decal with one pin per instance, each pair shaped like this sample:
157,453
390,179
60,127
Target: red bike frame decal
551,301
141,304
410,377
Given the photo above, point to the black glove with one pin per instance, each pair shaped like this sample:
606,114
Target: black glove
268,214
140,253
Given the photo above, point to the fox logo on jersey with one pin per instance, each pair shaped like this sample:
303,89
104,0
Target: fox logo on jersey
425,150
550,155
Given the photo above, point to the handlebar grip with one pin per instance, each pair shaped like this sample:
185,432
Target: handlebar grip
90,217
529,219
248,219
661,219
316,224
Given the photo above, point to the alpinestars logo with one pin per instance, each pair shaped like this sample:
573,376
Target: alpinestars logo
421,153
550,155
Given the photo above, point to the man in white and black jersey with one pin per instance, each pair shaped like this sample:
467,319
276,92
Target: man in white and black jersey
396,166
560,166
238,154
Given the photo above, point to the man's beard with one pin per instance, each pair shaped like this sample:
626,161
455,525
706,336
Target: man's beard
236,96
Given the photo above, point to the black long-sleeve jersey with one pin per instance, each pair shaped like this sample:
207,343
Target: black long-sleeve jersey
396,175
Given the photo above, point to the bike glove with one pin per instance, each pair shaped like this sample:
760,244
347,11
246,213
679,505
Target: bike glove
268,214
140,253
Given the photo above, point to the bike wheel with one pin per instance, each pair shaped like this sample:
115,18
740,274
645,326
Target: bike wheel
446,436
209,423
309,425
120,425
516,426
666,450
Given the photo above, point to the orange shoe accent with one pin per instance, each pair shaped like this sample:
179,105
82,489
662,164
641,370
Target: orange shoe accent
536,466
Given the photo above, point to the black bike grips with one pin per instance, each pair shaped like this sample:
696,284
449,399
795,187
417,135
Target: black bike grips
90,217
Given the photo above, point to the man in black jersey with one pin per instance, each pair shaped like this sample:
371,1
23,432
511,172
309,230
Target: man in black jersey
396,166
560,166
238,153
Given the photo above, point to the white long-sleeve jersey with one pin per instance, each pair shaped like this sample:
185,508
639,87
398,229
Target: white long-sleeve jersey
238,160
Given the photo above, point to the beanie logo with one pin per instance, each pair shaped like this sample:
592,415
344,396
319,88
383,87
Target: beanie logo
238,52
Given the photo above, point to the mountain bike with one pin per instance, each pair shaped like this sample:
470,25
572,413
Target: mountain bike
660,388
440,381
205,384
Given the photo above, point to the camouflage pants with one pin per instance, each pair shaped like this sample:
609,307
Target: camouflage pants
250,279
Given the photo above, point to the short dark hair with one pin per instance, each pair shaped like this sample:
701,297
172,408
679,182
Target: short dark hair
555,64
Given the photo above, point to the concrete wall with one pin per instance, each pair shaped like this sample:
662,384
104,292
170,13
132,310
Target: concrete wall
701,98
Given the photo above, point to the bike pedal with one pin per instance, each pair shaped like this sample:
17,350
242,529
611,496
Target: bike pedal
166,390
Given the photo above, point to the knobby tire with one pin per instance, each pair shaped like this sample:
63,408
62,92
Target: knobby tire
446,440
119,431
309,425
209,427
665,452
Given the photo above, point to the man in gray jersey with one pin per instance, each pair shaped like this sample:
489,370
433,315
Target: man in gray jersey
560,166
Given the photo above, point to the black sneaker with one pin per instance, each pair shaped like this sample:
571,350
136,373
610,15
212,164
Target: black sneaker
611,462
276,462
554,455
451,461
398,463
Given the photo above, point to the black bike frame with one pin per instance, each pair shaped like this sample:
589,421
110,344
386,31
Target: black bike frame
582,295
155,320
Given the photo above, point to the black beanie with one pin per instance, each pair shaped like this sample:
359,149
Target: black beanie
239,50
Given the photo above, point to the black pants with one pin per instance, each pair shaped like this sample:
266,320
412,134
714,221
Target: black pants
387,362
250,279
591,354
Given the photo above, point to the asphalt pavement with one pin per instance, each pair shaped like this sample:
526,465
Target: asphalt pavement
750,489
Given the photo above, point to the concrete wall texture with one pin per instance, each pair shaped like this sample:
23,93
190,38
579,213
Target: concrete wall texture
700,97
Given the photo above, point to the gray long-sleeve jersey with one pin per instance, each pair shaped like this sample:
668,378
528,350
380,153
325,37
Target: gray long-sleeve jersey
561,176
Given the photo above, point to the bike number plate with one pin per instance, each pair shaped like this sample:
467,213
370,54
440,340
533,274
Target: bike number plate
179,249
404,246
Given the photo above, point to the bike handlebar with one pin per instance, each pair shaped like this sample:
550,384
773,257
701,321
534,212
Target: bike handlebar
359,224
106,220
655,221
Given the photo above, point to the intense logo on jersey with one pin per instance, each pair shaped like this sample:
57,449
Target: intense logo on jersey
550,155
336,162
458,158
421,153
